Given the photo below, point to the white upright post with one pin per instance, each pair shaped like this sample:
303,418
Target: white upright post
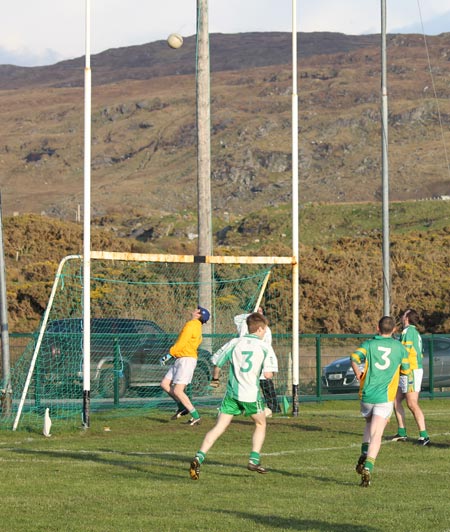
39,339
385,167
295,220
87,228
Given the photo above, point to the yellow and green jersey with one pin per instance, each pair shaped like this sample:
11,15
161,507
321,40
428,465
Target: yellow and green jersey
412,340
382,357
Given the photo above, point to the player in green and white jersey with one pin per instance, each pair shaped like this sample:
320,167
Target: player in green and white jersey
410,389
267,385
249,356
382,358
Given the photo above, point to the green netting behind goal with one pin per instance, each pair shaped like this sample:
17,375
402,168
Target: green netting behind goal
137,311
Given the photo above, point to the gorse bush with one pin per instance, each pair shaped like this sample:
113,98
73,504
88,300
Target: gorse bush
340,269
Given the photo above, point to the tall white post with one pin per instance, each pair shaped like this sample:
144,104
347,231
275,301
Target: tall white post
385,167
87,227
295,220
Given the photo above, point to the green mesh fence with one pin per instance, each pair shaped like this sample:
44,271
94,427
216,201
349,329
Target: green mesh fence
137,312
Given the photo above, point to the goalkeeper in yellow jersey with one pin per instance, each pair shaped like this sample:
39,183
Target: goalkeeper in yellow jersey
382,358
185,352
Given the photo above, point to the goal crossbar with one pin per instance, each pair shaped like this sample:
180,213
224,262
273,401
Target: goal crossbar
198,259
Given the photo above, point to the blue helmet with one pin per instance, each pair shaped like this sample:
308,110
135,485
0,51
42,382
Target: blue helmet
204,314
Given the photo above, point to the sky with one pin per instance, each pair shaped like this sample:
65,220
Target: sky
41,32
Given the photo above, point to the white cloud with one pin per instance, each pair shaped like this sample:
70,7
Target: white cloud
26,57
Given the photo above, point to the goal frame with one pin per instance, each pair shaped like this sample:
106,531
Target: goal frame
164,258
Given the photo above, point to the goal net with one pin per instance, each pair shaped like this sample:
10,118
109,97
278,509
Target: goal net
139,304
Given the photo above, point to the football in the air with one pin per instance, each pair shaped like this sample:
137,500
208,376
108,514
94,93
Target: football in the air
175,40
268,412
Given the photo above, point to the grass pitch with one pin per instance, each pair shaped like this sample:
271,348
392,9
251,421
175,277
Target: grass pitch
134,477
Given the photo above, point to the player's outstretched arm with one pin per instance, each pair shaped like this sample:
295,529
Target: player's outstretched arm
215,377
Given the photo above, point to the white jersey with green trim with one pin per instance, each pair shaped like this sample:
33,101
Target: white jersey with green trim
249,357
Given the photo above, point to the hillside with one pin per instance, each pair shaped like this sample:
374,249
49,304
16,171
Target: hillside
144,132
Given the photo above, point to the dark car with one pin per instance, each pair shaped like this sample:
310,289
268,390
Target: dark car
125,353
338,376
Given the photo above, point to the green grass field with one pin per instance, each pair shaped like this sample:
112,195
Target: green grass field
134,477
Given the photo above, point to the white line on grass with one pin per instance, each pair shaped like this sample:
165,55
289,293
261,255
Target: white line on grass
217,453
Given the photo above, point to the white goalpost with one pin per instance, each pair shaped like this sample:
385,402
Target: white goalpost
39,340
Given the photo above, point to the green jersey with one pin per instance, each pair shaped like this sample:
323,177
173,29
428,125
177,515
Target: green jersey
382,357
249,356
412,340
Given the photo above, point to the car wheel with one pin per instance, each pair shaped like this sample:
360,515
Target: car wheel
106,385
200,381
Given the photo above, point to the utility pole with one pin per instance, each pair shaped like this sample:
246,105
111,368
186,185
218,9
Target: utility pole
204,154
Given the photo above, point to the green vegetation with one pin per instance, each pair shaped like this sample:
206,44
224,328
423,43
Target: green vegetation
323,224
134,477
340,257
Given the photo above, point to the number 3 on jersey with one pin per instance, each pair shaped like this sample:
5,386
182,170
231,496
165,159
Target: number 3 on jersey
247,365
385,356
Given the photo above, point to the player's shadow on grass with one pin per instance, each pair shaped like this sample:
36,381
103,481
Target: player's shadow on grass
299,426
293,523
143,467
279,422
438,445
151,463
410,441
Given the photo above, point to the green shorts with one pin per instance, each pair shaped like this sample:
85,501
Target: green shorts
234,407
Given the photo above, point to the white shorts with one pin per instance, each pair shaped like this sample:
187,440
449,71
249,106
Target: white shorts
182,371
383,410
413,387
